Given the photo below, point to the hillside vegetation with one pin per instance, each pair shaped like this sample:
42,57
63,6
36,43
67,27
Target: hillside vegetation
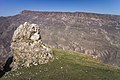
67,65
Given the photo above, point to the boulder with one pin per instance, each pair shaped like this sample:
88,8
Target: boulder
28,48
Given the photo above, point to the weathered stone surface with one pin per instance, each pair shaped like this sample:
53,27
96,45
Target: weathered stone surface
27,46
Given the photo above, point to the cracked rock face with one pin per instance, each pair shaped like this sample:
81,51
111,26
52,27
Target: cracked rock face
27,46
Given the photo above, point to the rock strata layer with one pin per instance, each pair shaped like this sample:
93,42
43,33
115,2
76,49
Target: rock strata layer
27,46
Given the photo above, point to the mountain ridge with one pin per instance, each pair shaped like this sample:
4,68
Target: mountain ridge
32,11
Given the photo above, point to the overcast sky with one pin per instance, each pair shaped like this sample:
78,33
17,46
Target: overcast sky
12,7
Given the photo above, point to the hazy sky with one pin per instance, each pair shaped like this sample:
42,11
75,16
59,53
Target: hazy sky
12,7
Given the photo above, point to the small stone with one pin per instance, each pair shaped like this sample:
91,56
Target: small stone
61,67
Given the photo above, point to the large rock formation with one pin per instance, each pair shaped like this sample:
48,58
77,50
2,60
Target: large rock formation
90,33
27,47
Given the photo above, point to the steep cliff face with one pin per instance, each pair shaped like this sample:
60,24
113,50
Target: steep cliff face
90,33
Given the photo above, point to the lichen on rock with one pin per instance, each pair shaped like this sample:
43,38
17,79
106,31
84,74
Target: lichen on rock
28,48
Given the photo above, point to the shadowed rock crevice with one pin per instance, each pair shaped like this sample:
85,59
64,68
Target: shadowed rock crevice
7,67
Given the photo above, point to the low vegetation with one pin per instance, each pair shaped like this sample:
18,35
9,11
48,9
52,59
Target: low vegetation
67,65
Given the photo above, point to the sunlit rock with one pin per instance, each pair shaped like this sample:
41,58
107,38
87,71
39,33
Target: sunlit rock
27,46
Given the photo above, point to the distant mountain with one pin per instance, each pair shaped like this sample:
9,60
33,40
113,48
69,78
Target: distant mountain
90,33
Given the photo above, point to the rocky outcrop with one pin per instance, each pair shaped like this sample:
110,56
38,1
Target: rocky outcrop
27,46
